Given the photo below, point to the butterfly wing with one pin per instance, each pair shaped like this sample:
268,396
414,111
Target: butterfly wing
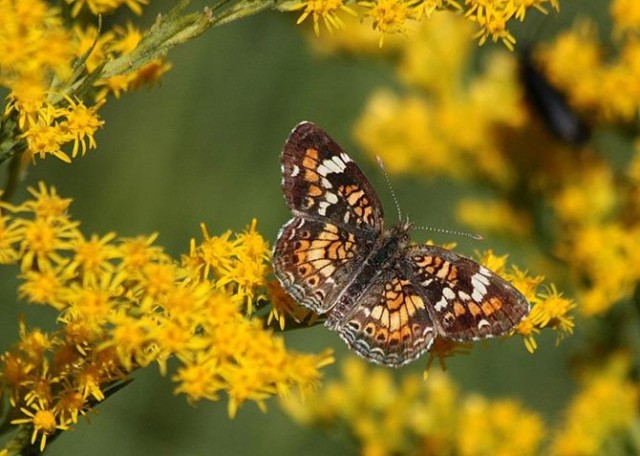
321,182
466,300
337,219
390,325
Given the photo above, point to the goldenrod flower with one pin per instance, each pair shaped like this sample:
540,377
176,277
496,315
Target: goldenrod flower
325,10
81,124
388,416
33,44
499,427
626,15
124,304
388,16
105,6
43,420
602,414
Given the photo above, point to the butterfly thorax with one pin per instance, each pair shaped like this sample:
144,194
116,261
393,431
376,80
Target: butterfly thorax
389,246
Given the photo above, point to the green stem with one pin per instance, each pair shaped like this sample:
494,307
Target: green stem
13,177
20,444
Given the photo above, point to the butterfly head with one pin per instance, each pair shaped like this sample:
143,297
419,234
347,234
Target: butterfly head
401,232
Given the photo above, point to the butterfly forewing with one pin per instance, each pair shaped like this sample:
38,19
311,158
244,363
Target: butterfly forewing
338,218
320,181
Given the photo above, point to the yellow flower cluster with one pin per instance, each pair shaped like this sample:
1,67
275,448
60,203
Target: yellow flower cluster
585,67
603,416
105,6
124,304
411,416
580,209
52,67
393,16
421,134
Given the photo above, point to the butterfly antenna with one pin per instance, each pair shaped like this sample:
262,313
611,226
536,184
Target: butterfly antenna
386,178
475,236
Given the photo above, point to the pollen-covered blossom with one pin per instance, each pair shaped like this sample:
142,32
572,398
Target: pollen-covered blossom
389,16
124,304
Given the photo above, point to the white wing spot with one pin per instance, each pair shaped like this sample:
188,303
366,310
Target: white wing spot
295,171
481,278
478,284
322,170
442,304
426,282
448,293
477,295
326,183
345,158
340,164
482,323
331,166
322,208
347,216
331,198
464,296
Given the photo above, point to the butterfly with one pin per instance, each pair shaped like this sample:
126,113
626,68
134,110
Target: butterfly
387,298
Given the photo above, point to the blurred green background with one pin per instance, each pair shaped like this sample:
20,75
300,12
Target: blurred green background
204,147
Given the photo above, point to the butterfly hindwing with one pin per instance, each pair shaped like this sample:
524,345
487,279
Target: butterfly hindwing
315,259
390,325
467,301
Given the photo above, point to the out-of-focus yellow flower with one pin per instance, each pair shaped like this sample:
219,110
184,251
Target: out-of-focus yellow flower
387,416
602,414
502,427
604,258
494,217
586,76
421,133
33,44
625,15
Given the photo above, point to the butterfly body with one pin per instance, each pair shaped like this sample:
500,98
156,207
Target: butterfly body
386,298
